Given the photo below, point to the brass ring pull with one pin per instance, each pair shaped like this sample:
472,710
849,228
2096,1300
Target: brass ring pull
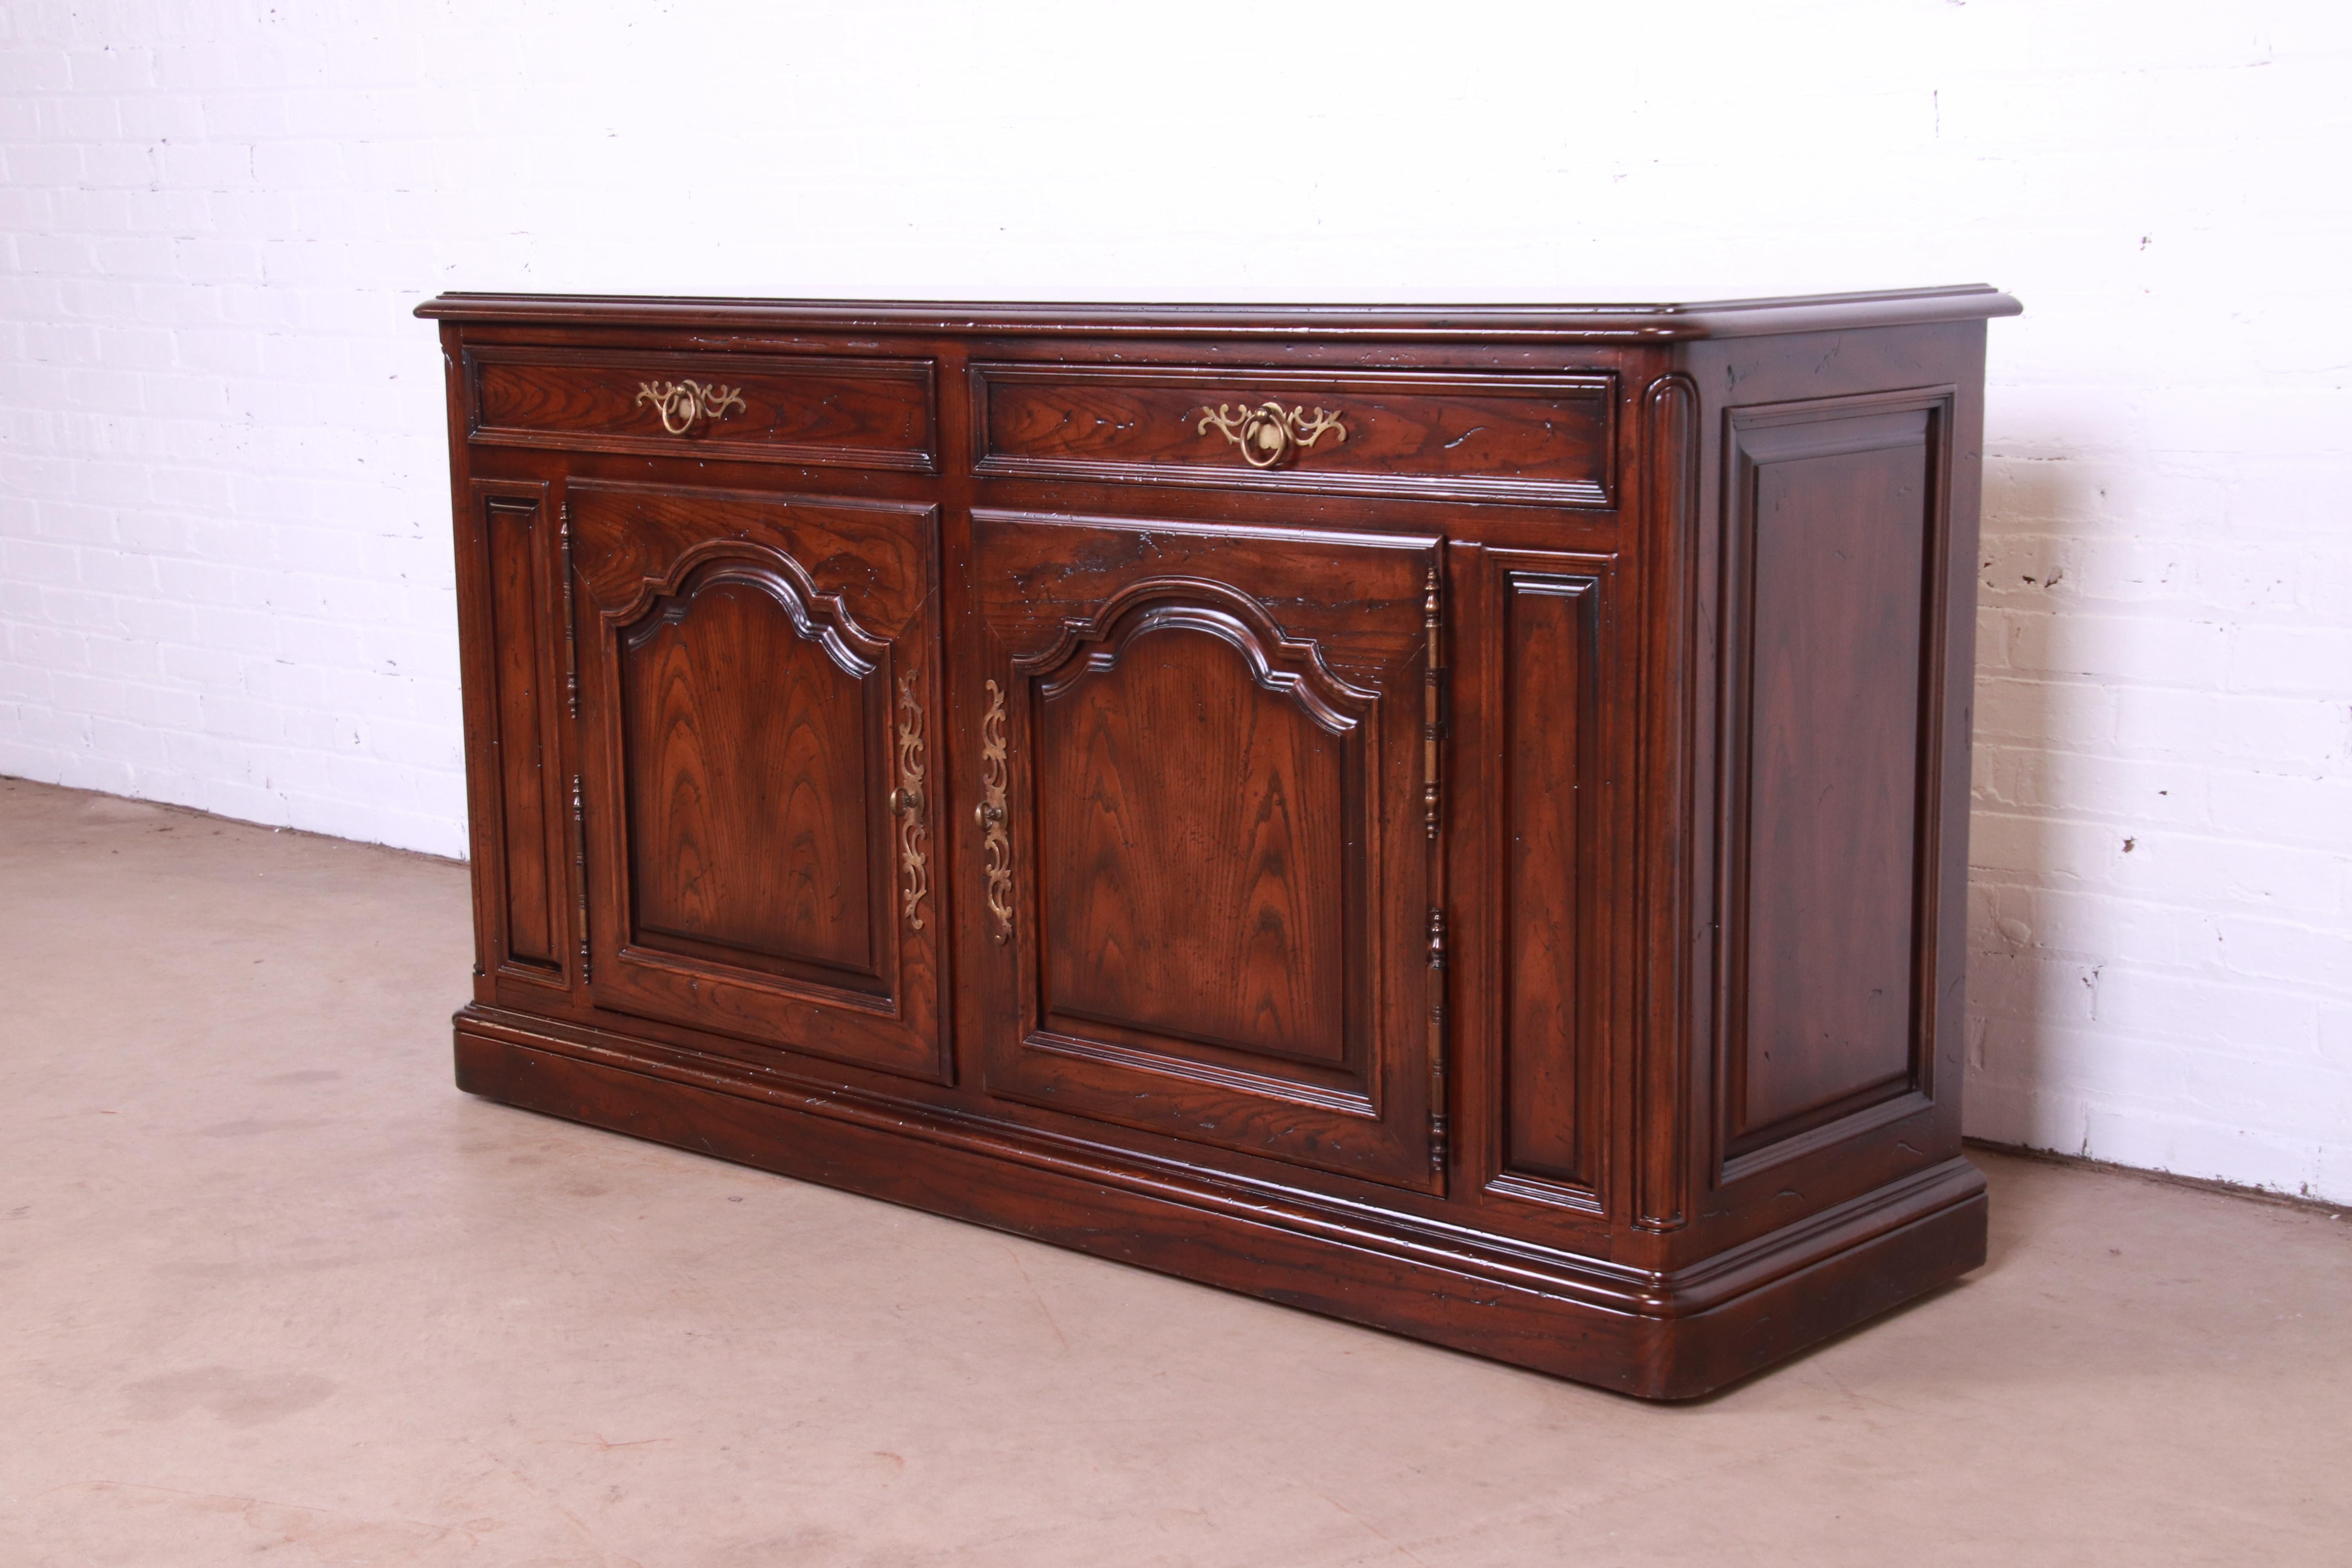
1270,432
681,403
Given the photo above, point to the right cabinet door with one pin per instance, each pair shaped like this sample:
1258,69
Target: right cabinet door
1201,840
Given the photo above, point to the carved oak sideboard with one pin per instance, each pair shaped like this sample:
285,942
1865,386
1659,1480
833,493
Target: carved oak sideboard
1454,820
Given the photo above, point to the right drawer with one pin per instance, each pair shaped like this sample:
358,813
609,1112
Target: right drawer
1547,439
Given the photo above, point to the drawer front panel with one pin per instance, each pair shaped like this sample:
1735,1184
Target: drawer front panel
844,413
1545,439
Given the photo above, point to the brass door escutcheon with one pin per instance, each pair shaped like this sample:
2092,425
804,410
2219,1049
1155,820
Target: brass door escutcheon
907,800
990,815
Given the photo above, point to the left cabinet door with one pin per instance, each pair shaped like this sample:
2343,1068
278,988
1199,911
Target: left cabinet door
760,677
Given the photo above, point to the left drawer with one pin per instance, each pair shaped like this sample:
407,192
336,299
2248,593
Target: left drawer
827,412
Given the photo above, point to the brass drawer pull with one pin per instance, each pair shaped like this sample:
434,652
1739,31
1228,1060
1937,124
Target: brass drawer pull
681,403
990,815
908,802
1270,432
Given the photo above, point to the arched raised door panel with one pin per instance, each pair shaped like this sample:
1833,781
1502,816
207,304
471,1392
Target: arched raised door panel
758,677
1183,756
1215,923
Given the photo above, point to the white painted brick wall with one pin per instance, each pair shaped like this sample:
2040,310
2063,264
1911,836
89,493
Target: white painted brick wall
224,573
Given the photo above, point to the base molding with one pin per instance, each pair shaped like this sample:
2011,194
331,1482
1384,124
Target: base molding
1672,1336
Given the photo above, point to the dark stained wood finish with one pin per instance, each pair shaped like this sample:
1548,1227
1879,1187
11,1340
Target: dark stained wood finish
512,526
1193,849
858,413
1834,523
1531,438
1674,668
1727,1318
1221,895
741,661
505,532
1497,878
1656,1336
1568,324
1550,716
1542,832
744,734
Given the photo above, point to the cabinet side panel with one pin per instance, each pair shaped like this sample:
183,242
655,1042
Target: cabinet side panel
521,652
1550,630
1835,534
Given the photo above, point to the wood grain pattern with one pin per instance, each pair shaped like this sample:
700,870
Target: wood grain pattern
1144,675
876,558
1542,439
744,655
1497,876
1194,867
746,743
818,410
1542,858
1551,645
517,593
1653,1334
1834,539
1368,325
1673,781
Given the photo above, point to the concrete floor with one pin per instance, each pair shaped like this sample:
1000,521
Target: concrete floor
271,1288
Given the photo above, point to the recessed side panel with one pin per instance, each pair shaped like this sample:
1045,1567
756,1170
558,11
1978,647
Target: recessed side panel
757,676
1551,643
530,885
1203,835
1831,588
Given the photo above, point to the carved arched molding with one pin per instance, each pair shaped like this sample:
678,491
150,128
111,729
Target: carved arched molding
1286,666
821,618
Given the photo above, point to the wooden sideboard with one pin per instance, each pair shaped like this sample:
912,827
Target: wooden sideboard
1452,819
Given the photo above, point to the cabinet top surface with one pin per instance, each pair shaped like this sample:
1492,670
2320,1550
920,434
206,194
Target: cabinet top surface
1600,323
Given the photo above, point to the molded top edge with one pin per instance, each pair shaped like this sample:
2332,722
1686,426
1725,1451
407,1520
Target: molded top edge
1616,323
